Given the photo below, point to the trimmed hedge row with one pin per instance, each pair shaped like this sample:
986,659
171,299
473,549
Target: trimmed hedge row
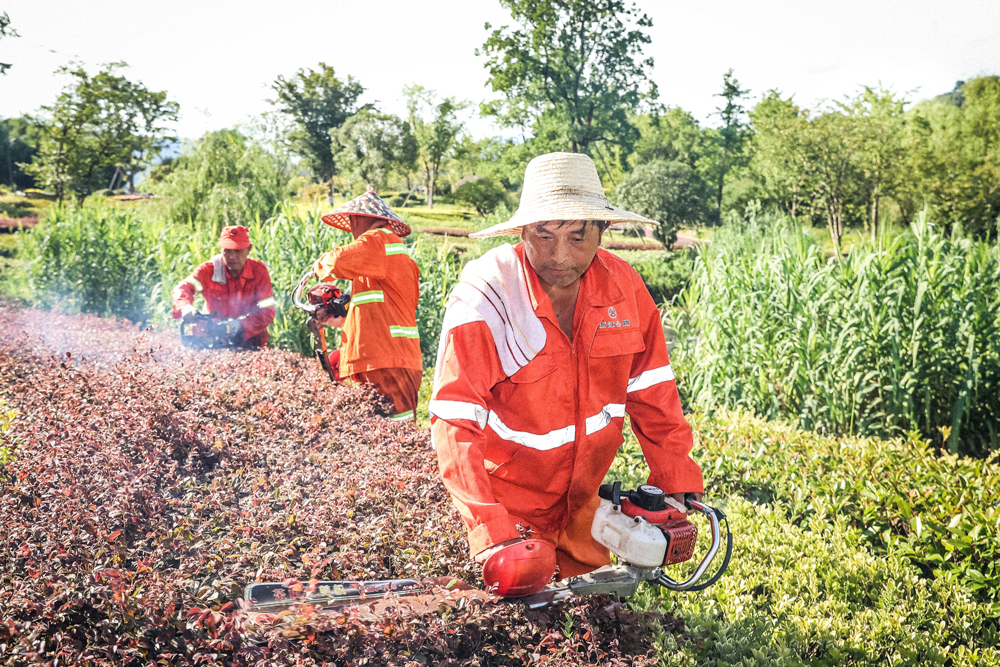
150,484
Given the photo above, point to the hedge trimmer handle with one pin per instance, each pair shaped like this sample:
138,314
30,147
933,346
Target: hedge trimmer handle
297,295
715,517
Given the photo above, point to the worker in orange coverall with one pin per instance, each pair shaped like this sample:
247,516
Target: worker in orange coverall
546,346
379,342
234,286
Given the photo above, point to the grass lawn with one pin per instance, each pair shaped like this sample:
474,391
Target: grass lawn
13,206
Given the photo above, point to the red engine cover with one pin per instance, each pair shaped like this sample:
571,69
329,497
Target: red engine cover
681,534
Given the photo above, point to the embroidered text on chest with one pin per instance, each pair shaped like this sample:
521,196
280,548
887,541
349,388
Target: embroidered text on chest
616,324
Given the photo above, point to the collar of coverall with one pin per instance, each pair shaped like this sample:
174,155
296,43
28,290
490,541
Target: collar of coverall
599,286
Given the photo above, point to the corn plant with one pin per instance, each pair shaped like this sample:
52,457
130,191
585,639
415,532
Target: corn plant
902,335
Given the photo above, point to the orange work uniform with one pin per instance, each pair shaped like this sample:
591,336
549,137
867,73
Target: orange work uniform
530,450
379,343
249,298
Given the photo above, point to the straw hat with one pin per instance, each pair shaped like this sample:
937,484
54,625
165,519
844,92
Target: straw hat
367,204
561,186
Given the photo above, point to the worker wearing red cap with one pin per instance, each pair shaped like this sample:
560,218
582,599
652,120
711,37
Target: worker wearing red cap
234,286
379,344
546,346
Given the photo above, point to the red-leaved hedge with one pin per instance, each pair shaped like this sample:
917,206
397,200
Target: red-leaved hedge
151,483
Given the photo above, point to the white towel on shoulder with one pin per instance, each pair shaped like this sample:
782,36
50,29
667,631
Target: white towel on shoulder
494,289
218,270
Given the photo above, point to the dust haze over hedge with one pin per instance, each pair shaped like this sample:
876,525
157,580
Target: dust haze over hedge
149,484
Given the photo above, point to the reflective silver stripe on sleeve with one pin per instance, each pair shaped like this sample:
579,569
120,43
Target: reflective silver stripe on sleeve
269,302
604,417
194,282
648,378
459,410
402,416
371,296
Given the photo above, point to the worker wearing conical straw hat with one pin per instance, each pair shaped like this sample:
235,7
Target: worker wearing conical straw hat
379,344
546,346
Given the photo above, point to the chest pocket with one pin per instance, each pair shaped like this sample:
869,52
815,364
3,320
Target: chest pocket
615,343
537,368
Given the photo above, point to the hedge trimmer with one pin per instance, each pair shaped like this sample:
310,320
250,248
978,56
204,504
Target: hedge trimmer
645,529
204,332
323,302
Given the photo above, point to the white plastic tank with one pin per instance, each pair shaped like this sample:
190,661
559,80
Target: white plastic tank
639,543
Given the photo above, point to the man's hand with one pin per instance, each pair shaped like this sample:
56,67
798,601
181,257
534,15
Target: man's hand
679,497
189,313
483,555
335,322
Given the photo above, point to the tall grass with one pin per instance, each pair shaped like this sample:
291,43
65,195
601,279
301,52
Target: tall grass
111,262
902,335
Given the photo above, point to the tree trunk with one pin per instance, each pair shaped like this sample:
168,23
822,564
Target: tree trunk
431,177
329,192
875,198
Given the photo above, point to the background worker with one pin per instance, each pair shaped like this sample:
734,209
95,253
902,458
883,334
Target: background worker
379,343
546,346
234,286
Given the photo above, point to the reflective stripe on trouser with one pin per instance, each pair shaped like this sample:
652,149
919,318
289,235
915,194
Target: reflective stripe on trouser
398,384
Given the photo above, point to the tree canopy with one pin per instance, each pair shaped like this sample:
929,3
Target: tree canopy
318,102
99,124
572,70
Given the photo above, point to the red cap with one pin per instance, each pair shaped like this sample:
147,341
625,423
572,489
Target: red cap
236,237
520,569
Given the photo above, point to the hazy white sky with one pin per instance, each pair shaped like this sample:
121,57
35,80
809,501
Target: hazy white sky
217,57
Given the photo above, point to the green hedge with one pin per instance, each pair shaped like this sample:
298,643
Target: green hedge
829,567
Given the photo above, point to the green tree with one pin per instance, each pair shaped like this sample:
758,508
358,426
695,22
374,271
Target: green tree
481,193
18,144
671,193
6,31
777,154
882,151
571,69
371,145
227,179
672,135
99,123
436,126
318,102
732,136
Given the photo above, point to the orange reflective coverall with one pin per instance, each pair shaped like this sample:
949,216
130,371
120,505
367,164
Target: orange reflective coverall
379,343
248,298
533,448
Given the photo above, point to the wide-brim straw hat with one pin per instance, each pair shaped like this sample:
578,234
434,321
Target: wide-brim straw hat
561,186
367,204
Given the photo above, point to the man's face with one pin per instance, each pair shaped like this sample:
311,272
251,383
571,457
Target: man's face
362,223
560,251
235,260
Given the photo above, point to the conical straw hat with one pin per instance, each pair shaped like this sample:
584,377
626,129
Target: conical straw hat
369,204
561,186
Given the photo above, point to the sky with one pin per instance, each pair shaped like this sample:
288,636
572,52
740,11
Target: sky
217,58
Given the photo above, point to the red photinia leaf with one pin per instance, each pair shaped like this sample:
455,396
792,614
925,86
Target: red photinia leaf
131,426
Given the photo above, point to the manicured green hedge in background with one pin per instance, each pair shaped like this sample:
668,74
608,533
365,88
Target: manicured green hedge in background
848,551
